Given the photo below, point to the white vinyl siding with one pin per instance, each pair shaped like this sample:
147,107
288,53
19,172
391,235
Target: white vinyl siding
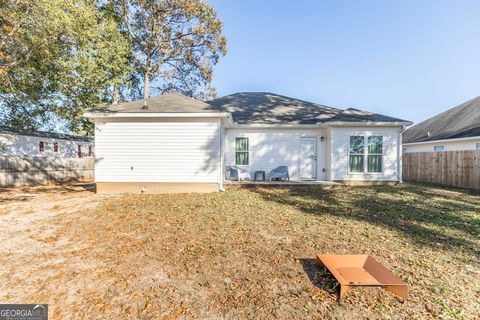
270,148
157,150
456,145
340,147
328,141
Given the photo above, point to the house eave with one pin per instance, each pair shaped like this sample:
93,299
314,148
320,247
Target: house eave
367,123
96,114
274,126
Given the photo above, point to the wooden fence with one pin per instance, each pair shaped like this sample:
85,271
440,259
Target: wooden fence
22,171
449,168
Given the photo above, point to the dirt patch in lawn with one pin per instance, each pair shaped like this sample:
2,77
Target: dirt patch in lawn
245,253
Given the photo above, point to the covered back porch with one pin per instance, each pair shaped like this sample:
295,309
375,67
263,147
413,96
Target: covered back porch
319,183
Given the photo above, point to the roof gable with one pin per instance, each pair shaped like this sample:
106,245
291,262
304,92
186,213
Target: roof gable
462,121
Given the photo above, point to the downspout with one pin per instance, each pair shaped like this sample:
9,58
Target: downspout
400,153
330,147
224,123
222,154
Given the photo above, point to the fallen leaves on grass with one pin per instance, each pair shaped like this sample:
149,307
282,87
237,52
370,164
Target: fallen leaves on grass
249,253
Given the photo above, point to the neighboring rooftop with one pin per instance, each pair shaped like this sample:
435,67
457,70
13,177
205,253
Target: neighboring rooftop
167,103
43,134
271,108
462,121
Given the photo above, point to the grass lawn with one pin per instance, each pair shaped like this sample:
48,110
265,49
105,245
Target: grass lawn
247,253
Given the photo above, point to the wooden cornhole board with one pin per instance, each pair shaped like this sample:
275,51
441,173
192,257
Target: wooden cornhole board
362,270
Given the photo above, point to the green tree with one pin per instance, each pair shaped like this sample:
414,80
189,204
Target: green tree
176,43
58,58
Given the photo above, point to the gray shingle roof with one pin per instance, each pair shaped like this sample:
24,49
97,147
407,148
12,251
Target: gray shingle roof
251,108
356,115
271,108
167,103
463,121
44,134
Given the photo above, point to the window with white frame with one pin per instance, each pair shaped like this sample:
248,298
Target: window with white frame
357,154
477,146
373,154
438,148
241,151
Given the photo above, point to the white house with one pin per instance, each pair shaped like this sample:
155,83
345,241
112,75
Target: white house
14,142
453,130
173,143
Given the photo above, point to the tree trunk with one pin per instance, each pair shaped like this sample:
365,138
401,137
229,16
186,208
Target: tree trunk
115,95
146,76
146,85
146,79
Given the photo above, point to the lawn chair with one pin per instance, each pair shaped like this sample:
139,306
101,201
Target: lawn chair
238,173
279,173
